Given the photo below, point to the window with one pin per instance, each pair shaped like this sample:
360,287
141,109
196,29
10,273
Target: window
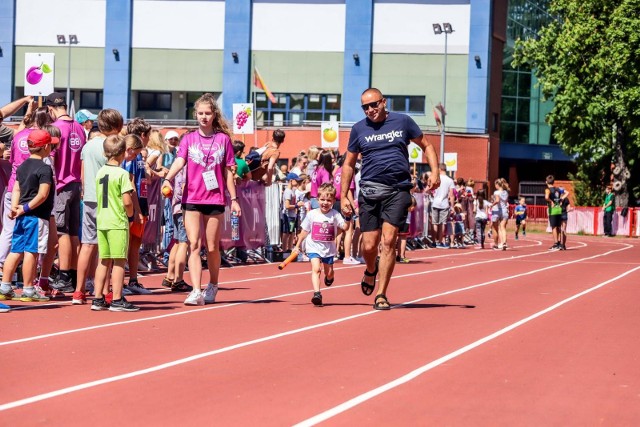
154,101
91,99
296,109
406,104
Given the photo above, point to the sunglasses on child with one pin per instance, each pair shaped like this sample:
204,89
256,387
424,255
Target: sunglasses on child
373,104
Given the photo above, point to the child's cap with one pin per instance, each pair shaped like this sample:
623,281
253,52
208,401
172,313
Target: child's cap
41,138
292,176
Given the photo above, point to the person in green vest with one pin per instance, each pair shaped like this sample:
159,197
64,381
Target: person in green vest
609,208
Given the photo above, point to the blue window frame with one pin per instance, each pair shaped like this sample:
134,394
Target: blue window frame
297,109
410,104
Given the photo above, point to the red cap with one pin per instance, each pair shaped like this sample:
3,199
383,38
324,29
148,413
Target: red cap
40,138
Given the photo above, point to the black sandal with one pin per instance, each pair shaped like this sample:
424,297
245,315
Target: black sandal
366,288
381,303
328,282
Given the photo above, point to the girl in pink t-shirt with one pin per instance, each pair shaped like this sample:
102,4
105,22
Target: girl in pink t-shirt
323,174
208,156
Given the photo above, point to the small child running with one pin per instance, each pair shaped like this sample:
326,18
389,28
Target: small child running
319,231
114,193
520,212
31,206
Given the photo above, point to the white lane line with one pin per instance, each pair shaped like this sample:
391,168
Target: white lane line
71,389
217,307
336,410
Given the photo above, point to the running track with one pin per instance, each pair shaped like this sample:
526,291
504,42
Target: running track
485,338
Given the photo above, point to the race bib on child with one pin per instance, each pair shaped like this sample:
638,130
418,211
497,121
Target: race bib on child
210,180
323,232
143,188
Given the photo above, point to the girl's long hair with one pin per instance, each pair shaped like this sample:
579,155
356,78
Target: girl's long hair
326,161
220,125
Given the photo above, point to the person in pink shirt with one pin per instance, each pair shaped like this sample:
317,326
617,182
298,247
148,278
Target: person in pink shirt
208,155
67,165
323,174
19,152
348,233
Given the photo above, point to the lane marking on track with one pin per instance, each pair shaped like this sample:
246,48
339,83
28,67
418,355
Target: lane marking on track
336,410
218,307
156,368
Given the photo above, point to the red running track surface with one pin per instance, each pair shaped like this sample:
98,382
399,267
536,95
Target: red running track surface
476,337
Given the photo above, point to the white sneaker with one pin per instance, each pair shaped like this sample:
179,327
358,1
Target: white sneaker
196,297
210,293
350,260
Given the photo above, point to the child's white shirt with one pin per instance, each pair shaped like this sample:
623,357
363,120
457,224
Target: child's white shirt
322,229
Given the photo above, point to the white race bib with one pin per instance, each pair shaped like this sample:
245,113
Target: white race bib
210,180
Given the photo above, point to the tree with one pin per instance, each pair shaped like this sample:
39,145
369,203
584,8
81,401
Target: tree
586,61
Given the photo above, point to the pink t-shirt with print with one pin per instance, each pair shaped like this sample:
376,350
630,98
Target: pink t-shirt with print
205,153
320,176
18,154
337,178
67,154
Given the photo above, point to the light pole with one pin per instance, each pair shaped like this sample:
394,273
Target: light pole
73,39
447,29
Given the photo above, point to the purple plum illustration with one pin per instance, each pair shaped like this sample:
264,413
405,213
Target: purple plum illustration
34,75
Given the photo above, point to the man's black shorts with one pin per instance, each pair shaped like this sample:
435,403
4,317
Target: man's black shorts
555,221
393,210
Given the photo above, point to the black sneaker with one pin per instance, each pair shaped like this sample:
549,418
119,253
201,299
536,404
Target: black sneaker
122,305
563,248
555,247
317,299
99,304
181,286
63,285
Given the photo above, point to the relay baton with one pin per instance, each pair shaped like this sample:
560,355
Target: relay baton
290,258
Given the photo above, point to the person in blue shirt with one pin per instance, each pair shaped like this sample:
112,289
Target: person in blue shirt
382,139
520,212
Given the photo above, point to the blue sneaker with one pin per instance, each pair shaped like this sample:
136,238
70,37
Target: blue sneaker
4,308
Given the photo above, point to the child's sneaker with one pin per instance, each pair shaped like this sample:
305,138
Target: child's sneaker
196,297
181,286
404,261
78,298
108,297
317,299
4,308
210,293
167,283
350,260
8,296
63,285
36,295
123,305
99,304
89,286
135,288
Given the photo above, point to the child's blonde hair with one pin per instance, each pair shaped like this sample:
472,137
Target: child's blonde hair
156,141
313,153
133,142
114,146
327,188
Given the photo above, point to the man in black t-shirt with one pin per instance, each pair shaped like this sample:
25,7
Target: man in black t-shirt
382,139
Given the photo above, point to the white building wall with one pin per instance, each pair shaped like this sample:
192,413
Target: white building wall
310,27
175,24
38,22
407,28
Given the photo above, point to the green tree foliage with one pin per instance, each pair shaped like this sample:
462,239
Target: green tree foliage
588,62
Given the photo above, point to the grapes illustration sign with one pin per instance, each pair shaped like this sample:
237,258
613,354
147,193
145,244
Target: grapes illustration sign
330,136
242,119
38,73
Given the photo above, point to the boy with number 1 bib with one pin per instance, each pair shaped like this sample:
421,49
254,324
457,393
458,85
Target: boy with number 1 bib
319,230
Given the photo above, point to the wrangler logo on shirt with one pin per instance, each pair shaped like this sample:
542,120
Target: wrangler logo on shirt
389,136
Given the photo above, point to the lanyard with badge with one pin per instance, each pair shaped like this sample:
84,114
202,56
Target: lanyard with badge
209,176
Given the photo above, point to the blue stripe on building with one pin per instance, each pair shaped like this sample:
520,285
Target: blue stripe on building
7,43
117,68
358,41
478,75
236,74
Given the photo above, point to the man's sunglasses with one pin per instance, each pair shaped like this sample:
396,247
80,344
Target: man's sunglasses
373,104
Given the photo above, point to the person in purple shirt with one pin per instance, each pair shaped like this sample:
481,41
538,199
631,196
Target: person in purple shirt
208,156
67,167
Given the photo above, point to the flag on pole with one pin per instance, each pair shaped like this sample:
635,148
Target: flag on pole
438,120
259,83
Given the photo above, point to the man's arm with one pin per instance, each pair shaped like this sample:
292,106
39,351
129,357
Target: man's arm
11,108
432,159
345,182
